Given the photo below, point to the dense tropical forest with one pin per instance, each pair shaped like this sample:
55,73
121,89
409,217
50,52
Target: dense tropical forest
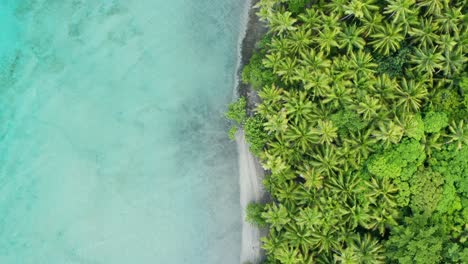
363,128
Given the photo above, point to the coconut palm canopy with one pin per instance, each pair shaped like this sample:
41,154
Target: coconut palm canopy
363,126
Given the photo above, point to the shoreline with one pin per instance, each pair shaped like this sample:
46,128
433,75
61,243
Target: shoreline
250,171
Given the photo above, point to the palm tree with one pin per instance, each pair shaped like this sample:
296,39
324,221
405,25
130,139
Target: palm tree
388,132
340,94
272,60
368,250
309,217
318,82
426,61
299,40
298,236
431,142
276,123
313,59
413,125
453,62
450,19
387,39
446,43
274,163
346,256
425,34
360,145
331,21
327,161
381,191
271,94
272,242
287,69
286,194
288,255
383,217
280,147
282,22
336,7
361,63
302,135
326,39
325,240
458,134
298,106
276,216
433,7
359,8
410,95
265,9
279,45
326,259
399,10
313,179
358,215
384,88
371,23
368,107
344,186
311,18
326,131
350,38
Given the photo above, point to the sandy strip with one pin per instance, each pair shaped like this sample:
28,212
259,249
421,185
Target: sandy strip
251,189
250,171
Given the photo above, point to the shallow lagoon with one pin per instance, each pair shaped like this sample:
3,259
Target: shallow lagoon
113,144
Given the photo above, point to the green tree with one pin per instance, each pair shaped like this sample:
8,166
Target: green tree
387,38
458,134
236,111
282,22
418,241
368,250
410,95
359,8
276,216
254,214
400,10
427,61
350,38
435,121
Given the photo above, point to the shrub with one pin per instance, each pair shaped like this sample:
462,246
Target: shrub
236,111
435,121
255,134
254,214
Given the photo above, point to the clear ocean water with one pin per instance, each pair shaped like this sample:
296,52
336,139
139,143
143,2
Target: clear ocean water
112,137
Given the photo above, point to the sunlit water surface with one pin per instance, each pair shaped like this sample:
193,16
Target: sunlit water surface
113,146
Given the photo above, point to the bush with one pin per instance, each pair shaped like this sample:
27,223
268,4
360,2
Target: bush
236,111
297,6
254,214
435,121
257,75
393,64
232,132
255,134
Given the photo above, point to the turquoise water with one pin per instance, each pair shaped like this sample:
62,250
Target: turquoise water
113,146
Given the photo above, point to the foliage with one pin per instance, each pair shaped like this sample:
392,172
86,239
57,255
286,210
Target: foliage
232,132
393,64
297,6
435,121
363,128
237,111
254,214
255,134
418,241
